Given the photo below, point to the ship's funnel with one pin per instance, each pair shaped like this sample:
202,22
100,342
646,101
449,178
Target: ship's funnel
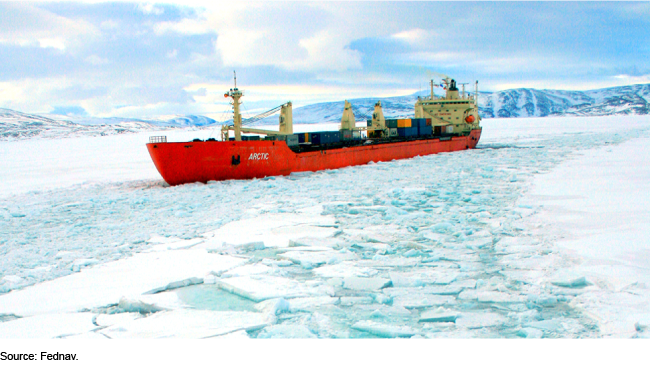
452,91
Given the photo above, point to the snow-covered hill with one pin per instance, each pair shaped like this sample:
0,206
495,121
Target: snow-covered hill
625,100
17,125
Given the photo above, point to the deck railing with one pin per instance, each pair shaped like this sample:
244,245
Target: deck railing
158,139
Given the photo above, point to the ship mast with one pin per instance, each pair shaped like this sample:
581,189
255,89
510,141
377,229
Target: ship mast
235,94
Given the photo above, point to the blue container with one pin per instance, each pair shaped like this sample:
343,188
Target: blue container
315,138
427,130
303,137
335,137
407,132
418,122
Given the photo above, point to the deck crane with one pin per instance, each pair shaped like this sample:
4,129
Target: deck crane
286,123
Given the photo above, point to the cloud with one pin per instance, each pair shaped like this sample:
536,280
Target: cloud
96,60
150,8
25,25
117,58
633,79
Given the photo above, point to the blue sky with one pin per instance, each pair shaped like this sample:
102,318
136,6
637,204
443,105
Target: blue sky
159,59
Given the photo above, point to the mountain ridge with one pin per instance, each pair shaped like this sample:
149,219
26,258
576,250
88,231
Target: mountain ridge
512,103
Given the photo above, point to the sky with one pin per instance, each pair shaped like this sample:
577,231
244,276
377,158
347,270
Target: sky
152,60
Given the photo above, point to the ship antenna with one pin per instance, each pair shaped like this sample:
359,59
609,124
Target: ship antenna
235,72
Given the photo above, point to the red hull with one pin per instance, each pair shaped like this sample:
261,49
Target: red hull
186,162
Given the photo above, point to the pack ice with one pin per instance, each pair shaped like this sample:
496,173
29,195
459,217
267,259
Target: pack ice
507,240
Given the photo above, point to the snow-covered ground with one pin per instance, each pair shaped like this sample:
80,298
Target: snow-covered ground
518,238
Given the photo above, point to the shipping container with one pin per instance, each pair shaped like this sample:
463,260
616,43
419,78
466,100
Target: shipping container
407,132
302,137
334,137
427,130
418,122
391,123
315,138
428,121
404,123
291,139
450,129
392,132
356,134
250,138
345,134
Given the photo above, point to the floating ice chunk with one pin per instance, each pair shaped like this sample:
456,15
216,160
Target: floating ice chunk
479,320
40,269
286,331
174,244
105,284
273,306
384,330
436,237
246,270
400,280
305,249
383,299
187,323
78,264
311,303
498,297
237,335
446,279
530,333
371,246
105,320
479,243
412,253
375,238
278,263
444,290
210,279
525,317
317,241
423,300
315,259
386,311
570,282
176,285
523,276
466,284
13,279
543,299
434,327
136,306
350,301
167,300
47,326
262,288
367,284
274,230
550,325
438,315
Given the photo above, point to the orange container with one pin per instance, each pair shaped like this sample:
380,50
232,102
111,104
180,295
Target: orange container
403,123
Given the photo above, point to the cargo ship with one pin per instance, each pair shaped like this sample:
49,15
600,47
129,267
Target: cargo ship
440,124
